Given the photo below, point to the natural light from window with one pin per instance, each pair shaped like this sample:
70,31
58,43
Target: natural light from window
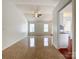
32,27
32,42
45,27
45,41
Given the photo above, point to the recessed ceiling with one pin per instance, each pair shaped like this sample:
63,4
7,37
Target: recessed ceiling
44,6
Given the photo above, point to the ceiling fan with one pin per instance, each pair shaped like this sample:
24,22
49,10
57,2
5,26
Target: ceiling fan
37,13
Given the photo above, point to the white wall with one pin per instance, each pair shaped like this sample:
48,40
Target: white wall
63,40
56,21
15,26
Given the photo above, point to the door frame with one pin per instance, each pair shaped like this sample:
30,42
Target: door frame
73,25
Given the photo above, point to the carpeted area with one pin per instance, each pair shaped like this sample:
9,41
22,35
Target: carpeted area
67,52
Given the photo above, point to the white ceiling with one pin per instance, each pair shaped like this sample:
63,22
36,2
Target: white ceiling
44,6
67,11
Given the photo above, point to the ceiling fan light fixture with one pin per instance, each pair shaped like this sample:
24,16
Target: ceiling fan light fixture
36,15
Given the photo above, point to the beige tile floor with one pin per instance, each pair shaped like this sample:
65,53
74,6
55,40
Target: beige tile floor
22,50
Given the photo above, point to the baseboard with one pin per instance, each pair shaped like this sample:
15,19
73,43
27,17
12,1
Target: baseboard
12,43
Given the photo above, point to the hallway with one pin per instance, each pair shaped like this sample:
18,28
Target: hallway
23,50
37,29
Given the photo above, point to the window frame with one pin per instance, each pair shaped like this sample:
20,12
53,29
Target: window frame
33,28
46,29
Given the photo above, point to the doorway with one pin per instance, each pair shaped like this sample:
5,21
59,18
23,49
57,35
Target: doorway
65,31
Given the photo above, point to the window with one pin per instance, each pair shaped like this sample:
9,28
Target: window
45,27
45,41
32,27
32,42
